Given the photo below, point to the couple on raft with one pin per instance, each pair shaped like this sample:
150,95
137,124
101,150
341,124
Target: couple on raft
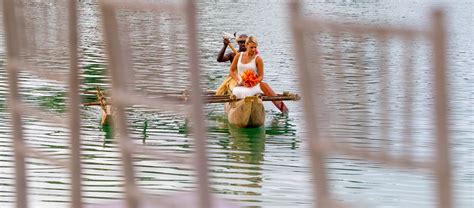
246,71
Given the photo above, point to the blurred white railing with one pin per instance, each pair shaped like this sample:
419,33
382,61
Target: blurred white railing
312,84
15,42
315,93
123,96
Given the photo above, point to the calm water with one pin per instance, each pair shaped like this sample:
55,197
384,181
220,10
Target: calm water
265,167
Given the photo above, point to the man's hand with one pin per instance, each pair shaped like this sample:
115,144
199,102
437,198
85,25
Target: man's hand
226,41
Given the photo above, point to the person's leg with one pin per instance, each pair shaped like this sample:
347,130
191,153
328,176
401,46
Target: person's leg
267,90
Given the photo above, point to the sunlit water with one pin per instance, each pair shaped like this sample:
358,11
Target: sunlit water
265,167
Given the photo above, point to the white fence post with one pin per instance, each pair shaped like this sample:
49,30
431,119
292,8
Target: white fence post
316,114
13,59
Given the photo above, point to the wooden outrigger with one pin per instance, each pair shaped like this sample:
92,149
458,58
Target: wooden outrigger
248,112
104,105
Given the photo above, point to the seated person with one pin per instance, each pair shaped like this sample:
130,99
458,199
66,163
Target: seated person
224,88
247,62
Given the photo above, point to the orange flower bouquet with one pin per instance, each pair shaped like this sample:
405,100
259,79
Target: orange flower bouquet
249,78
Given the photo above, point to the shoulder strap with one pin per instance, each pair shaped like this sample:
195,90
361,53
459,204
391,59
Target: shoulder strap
255,58
240,57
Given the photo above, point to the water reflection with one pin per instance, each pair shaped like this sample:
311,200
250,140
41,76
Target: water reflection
47,98
248,143
238,155
282,125
108,134
237,167
145,127
94,74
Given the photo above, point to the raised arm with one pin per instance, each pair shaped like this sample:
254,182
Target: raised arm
233,69
221,56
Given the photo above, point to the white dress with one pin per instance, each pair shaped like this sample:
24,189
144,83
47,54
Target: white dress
242,91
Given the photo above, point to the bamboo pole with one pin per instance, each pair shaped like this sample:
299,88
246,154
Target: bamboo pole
91,103
216,99
264,98
233,49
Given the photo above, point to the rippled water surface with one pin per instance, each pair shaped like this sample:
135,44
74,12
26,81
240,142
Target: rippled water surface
264,167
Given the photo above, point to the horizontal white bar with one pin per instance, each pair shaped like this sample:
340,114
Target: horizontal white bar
122,98
310,24
37,154
33,111
43,73
144,6
160,155
380,157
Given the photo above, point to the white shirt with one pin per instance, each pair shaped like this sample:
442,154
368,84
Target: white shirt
241,67
242,91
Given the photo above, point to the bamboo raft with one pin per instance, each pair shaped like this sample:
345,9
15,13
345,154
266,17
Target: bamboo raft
243,113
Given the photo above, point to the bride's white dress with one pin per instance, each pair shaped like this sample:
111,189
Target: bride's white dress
242,91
